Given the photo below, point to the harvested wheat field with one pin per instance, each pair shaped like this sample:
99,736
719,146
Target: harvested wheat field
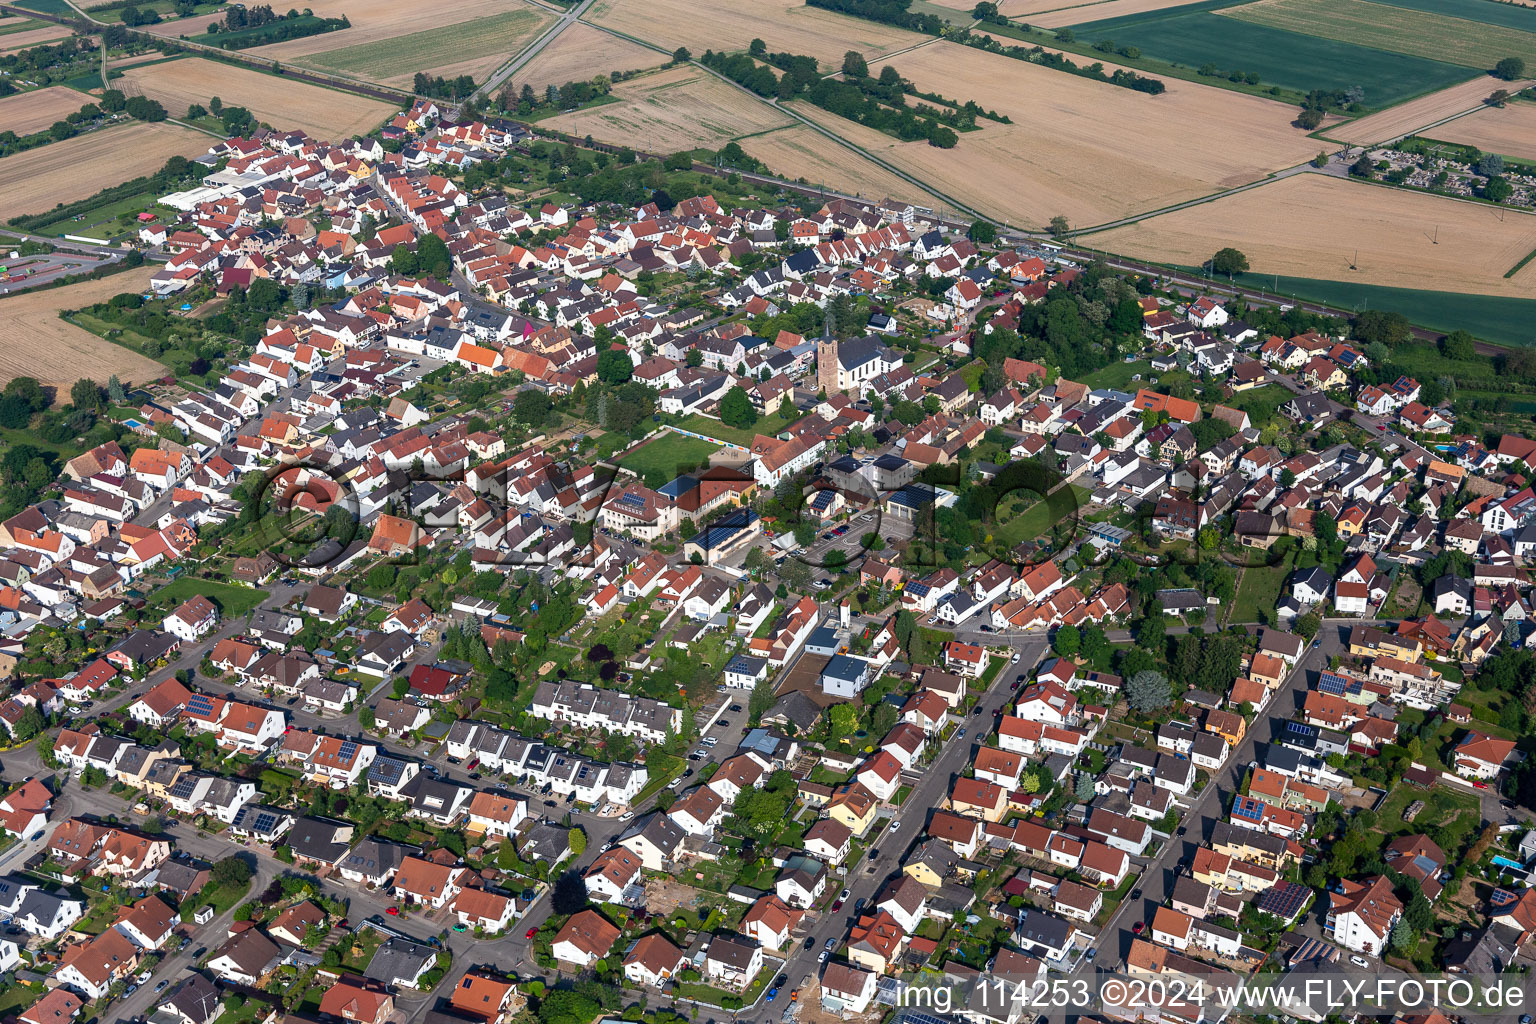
59,353
473,48
1311,225
39,179
30,112
192,27
283,103
13,41
374,21
1510,130
802,152
785,25
578,53
1087,150
679,108
1100,11
1407,118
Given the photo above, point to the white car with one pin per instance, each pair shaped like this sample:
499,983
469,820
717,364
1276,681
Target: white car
895,825
823,957
1360,961
626,815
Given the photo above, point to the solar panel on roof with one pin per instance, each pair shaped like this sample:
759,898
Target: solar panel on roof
265,822
348,748
200,704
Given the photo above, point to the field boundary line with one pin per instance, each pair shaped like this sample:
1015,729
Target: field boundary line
1512,271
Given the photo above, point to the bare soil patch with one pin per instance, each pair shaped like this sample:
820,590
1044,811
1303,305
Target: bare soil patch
679,108
59,353
284,103
1312,225
1087,150
785,25
580,52
802,152
1510,130
1407,118
62,172
30,112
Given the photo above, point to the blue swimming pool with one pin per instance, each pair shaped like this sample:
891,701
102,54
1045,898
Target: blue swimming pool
1504,862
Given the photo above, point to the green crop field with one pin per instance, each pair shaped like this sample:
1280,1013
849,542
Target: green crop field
1473,44
47,6
1515,16
1198,34
506,33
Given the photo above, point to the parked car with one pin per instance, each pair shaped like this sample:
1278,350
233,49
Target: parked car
822,957
1361,962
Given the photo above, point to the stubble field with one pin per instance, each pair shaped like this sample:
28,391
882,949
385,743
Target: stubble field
1312,226
802,152
1510,131
1087,150
193,28
1407,118
39,179
59,353
785,25
1058,16
284,103
578,53
679,108
1418,33
472,48
30,112
13,41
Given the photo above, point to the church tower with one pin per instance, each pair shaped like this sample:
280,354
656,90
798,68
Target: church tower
826,358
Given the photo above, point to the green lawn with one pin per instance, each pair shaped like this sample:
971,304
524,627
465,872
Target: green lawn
770,425
233,601
1261,404
1060,506
105,216
1258,593
1118,375
666,456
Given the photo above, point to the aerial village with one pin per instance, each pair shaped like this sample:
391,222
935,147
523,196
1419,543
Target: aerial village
677,609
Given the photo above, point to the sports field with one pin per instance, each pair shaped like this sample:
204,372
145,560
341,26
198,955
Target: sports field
472,48
785,25
30,112
1509,131
1087,150
1473,44
801,152
679,108
39,179
1198,34
1316,226
578,53
59,353
283,103
1408,118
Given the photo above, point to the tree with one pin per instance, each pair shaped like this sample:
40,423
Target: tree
1402,935
1497,190
1509,69
681,55
614,366
115,393
982,232
736,409
85,394
30,724
1310,119
1060,226
577,841
1309,624
1085,790
1321,160
1148,691
1458,345
1067,641
761,700
27,389
1229,261
570,893
1497,98
854,65
1363,167
230,872
532,406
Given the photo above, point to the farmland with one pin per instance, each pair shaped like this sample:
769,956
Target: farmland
41,33
1510,130
30,112
731,24
1101,9
1313,226
1407,118
1197,34
801,152
59,353
281,102
1067,151
1473,44
578,53
63,172
680,108
472,48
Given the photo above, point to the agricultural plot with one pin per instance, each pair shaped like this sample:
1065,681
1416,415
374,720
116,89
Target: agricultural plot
580,52
472,48
680,108
1408,118
1510,131
1321,227
284,103
1069,152
62,172
59,353
36,36
785,25
30,112
1195,35
800,152
1473,44
1101,9
195,27
47,7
